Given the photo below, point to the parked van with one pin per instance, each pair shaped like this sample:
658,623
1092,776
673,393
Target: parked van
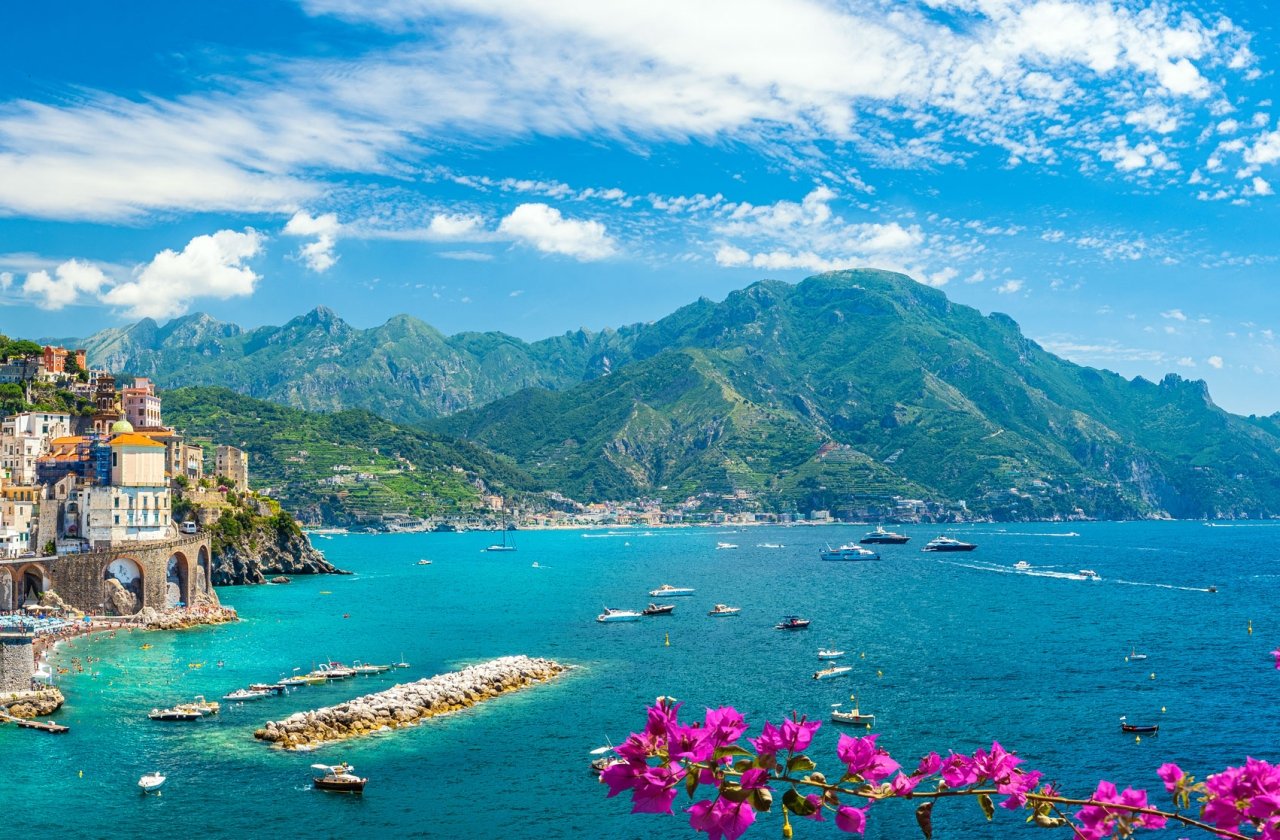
188,527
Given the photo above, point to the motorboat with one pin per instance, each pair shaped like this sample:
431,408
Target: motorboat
852,716
270,688
724,545
294,682
1134,656
424,562
848,551
941,543
618,615
792,622
1133,727
829,653
242,694
669,591
720,610
366,669
1022,566
882,537
1089,574
338,777
658,609
602,759
833,671
205,707
770,545
151,782
175,714
334,671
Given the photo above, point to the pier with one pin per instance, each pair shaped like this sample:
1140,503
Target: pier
408,703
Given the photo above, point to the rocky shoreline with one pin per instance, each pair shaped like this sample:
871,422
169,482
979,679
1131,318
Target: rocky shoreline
408,703
32,704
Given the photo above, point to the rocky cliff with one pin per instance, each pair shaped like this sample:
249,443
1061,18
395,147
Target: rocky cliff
258,553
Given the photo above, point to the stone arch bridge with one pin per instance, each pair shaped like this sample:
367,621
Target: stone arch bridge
117,581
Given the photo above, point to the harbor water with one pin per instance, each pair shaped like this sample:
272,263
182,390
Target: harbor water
949,651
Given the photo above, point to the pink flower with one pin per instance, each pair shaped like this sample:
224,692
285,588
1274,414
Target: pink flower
721,819
851,820
816,801
622,776
929,765
662,715
1017,786
655,789
688,743
1276,654
793,735
863,758
957,771
1171,774
724,726
904,785
994,765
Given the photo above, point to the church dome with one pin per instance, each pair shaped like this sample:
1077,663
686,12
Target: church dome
121,427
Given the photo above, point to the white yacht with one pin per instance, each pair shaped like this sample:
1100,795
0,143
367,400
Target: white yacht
848,551
618,615
151,781
720,610
669,591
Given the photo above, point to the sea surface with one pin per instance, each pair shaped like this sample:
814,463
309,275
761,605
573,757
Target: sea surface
948,651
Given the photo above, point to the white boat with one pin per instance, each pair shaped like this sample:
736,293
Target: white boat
853,716
618,615
669,591
1089,574
242,694
424,562
833,671
151,782
848,551
1022,566
948,544
1134,656
361,668
770,545
829,653
720,610
726,545
504,545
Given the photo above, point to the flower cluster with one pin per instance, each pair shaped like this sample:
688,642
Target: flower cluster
667,755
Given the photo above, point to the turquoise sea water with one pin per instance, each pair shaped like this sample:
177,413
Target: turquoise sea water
958,650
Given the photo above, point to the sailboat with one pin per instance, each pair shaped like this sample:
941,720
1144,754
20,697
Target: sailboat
1134,656
503,546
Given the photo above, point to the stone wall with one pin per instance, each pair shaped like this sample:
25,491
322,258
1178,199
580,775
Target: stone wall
17,662
81,579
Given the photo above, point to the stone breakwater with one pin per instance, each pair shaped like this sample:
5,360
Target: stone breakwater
181,619
30,704
408,703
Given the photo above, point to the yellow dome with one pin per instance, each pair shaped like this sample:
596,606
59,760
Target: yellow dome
121,427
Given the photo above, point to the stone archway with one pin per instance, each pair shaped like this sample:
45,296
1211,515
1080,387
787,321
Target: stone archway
122,587
203,577
32,582
177,579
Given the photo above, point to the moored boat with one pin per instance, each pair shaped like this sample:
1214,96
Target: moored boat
941,543
424,562
720,610
658,609
1134,656
205,707
242,694
669,591
724,545
603,758
270,688
853,716
882,537
792,622
848,551
829,653
338,777
151,782
618,615
175,714
833,671
1140,728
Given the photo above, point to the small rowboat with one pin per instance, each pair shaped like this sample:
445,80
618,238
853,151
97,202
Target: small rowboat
1133,727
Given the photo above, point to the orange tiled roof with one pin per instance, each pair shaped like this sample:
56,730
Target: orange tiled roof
134,439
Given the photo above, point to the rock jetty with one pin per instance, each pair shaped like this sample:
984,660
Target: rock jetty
408,703
181,619
30,704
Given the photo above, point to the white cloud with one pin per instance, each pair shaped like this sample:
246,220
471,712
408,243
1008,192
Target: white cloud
465,256
211,265
1215,362
454,227
318,255
1186,361
6,280
544,228
1009,287
1174,315
71,282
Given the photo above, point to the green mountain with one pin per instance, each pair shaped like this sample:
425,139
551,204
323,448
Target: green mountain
838,392
344,468
854,385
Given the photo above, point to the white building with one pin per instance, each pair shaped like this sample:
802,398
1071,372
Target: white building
25,437
136,505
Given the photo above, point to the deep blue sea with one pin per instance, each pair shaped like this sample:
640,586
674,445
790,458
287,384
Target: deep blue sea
949,652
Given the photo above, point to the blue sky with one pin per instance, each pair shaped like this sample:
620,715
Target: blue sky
1104,172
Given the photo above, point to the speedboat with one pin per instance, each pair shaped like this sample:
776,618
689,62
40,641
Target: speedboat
424,562
792,622
333,671
882,537
770,545
1089,574
658,609
206,707
848,551
669,591
294,682
1134,656
270,688
175,714
602,760
338,777
829,653
1022,566
242,694
618,615
151,782
1133,727
363,668
722,610
726,545
948,544
833,671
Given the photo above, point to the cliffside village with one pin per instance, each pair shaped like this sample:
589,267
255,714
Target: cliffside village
71,484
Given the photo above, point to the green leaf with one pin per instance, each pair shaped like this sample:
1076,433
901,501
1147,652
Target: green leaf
800,763
731,749
924,819
988,808
797,804
742,765
734,793
691,783
761,799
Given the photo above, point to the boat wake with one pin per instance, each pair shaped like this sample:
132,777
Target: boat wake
1030,534
1047,572
1163,585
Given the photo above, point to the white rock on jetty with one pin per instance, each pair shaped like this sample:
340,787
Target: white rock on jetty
408,703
